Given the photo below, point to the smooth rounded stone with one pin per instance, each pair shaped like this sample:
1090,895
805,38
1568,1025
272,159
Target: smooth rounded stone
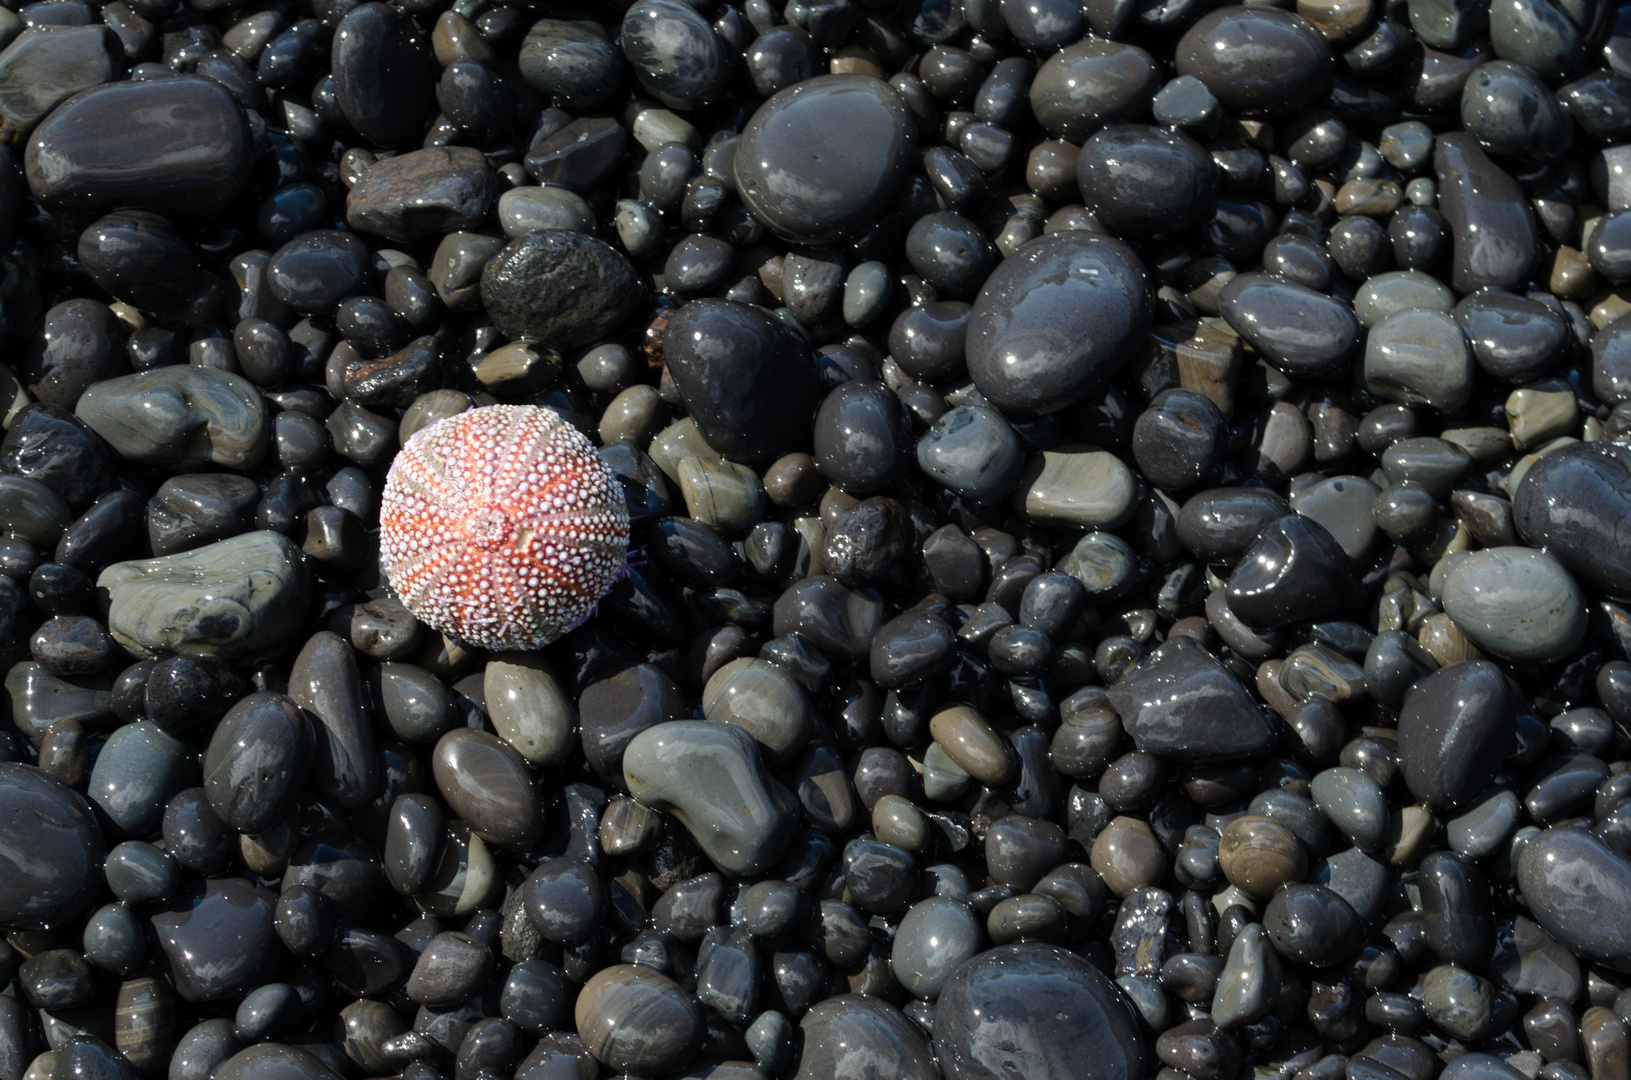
1481,829
1304,333
50,851
197,508
1310,924
46,64
1459,917
528,708
413,842
861,442
1076,485
1491,223
49,445
384,83
927,340
1127,855
951,253
181,146
1056,321
429,192
821,160
698,265
1257,61
1569,502
1178,440
1516,603
272,1061
139,873
1354,803
970,741
675,54
179,416
850,1037
1512,113
911,648
1514,338
1419,357
1220,524
1259,854
829,615
257,762
218,940
635,1019
1037,1011
139,257
256,587
324,681
613,711
575,63
1455,729
488,785
138,771
203,1048
526,210
1144,181
745,377
451,968
1020,850
711,778
1293,572
1457,1001
535,289
1341,505
1090,84
1399,290
1181,704
1578,889
1249,983
418,706
868,289
973,451
765,701
1544,40
266,1011
536,997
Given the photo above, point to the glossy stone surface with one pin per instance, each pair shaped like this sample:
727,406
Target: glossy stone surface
218,939
849,1037
633,1018
1055,322
820,160
51,848
1455,728
535,289
1035,1010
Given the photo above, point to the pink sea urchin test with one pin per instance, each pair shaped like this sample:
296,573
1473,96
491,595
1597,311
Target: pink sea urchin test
502,526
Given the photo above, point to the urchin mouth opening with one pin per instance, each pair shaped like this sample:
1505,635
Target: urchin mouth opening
489,528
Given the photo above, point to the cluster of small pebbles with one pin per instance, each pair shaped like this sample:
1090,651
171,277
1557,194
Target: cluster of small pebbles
1130,540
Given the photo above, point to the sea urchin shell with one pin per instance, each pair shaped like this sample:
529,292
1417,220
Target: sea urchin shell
502,526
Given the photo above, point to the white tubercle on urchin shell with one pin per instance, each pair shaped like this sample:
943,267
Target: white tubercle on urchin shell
502,526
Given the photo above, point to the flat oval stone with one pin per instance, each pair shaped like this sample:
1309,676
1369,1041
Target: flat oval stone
637,1020
561,288
1579,889
384,81
711,778
763,700
1304,333
1076,485
747,380
218,939
822,159
273,1061
236,599
180,146
1056,321
1036,1011
1455,729
179,416
1257,61
1145,181
1516,603
1182,704
1311,924
1572,501
850,1037
529,709
257,762
489,786
1419,357
51,850
829,615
